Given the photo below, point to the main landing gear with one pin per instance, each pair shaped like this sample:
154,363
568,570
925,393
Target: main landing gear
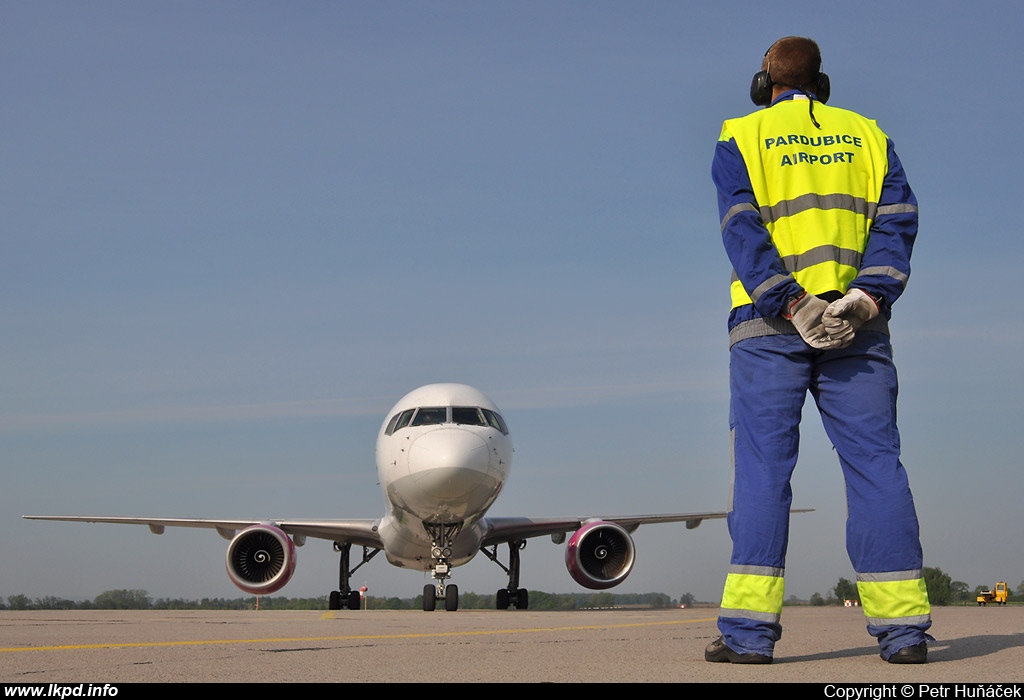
512,595
346,597
442,536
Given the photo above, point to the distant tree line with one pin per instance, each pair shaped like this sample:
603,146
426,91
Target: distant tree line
125,599
942,590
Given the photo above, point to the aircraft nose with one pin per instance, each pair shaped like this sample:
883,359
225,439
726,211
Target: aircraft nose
451,471
449,474
448,448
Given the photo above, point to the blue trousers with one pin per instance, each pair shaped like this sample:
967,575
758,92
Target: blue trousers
855,391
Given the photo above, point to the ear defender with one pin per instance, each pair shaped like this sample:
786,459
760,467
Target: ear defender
761,85
761,89
823,89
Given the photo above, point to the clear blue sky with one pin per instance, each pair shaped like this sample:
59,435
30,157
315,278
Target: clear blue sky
234,233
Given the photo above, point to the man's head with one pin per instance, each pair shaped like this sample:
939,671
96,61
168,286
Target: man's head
793,62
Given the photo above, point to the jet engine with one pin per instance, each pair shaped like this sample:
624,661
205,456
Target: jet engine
599,555
261,559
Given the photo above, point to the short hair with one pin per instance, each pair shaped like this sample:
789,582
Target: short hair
793,61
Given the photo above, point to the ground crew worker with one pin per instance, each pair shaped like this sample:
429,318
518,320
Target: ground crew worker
818,221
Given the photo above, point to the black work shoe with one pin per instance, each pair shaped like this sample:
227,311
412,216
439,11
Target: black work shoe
719,652
917,654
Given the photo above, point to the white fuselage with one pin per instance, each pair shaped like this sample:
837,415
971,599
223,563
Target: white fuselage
443,454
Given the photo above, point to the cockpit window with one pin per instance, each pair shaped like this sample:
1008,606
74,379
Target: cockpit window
400,420
436,415
495,420
467,415
431,416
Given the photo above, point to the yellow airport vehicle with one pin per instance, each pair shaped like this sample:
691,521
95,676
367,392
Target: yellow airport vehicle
997,596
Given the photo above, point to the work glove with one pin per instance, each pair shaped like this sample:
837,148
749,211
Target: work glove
805,312
844,317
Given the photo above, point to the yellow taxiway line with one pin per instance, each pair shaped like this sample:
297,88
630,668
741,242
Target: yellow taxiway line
414,635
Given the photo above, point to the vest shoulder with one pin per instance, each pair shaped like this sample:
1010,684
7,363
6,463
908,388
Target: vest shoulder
783,113
846,113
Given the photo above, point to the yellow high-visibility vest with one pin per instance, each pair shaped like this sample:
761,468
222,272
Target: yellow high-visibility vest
817,190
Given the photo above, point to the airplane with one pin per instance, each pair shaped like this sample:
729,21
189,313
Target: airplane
443,454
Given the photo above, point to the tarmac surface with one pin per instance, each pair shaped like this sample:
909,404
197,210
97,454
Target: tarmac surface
819,645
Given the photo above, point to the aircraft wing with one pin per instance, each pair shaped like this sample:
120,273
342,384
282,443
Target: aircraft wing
506,529
359,532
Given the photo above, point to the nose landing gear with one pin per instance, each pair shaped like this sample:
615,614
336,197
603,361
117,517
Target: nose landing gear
442,536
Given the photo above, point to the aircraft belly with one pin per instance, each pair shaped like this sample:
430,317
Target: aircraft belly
409,546
445,495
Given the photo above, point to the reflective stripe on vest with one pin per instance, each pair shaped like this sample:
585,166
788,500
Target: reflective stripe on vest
894,598
817,190
753,592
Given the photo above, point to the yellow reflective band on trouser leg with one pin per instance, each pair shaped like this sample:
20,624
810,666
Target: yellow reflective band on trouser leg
754,592
894,598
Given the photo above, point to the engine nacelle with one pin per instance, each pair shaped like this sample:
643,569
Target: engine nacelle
599,555
261,559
